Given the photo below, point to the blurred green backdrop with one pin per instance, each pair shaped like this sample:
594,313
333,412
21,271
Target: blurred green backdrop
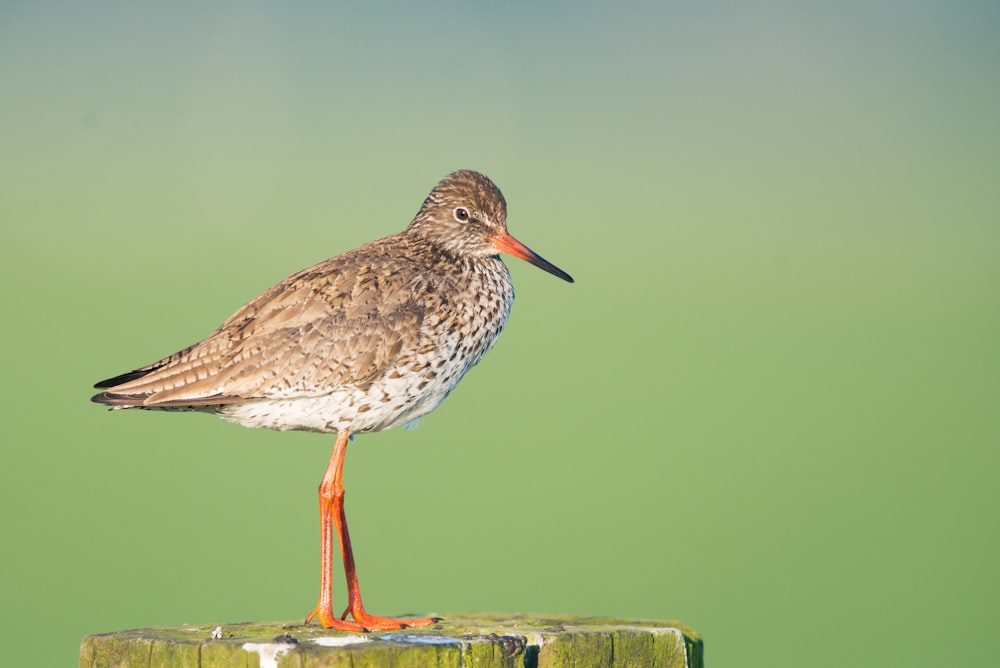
768,407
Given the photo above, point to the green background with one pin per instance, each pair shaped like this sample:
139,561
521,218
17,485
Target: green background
768,407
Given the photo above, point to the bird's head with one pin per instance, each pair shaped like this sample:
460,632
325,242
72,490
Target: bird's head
466,215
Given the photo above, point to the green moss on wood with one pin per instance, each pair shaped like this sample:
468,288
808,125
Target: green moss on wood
475,641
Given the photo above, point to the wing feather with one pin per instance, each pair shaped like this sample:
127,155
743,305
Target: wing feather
340,323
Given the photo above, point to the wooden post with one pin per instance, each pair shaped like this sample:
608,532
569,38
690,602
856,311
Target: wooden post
472,641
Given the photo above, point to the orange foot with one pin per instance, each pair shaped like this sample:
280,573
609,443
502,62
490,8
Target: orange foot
376,623
365,622
330,622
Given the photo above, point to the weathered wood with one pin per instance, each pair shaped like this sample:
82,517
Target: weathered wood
488,640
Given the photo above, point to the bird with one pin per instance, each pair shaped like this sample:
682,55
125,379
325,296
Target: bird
365,341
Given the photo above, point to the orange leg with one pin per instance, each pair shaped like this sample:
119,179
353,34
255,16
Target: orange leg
331,513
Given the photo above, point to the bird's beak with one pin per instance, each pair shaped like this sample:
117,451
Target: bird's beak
508,244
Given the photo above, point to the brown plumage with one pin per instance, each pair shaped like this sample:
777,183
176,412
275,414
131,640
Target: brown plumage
365,341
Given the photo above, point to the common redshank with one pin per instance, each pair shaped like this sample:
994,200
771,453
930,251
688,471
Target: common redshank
365,341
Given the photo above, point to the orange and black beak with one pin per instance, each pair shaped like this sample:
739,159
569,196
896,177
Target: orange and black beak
508,244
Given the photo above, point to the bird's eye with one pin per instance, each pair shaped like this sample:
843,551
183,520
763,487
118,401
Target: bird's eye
461,215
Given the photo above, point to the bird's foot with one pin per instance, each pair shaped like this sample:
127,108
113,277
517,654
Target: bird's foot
376,623
364,622
328,621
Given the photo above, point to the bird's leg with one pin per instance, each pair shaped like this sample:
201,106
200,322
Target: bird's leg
327,496
331,504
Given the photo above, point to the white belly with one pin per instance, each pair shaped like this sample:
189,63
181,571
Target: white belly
388,402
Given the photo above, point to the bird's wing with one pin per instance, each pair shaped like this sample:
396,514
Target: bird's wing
334,325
